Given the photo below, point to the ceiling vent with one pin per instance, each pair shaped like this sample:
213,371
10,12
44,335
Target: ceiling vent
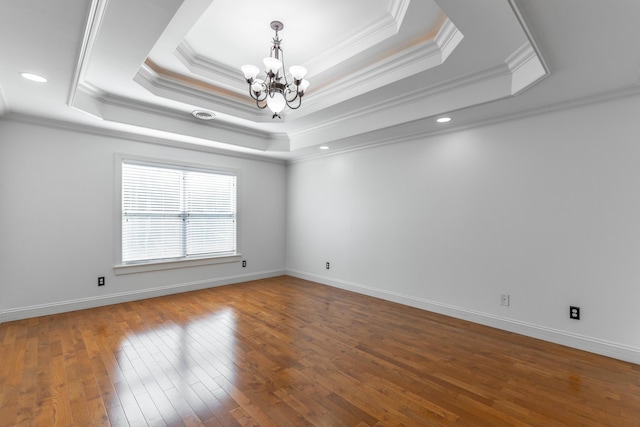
203,114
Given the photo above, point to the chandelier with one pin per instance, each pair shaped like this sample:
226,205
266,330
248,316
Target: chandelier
276,91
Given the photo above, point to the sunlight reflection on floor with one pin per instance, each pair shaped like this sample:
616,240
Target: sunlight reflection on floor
169,372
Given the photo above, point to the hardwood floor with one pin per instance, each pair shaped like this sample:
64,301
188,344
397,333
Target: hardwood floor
287,352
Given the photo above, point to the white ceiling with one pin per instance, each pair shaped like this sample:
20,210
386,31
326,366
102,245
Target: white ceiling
380,70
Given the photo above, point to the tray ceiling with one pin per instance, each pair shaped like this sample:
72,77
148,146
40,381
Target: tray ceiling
376,67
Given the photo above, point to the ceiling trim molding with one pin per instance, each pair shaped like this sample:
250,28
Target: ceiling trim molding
89,99
375,32
93,91
206,67
186,116
401,65
110,100
229,99
397,9
373,141
161,85
135,137
496,72
529,35
526,68
448,38
410,61
520,57
92,28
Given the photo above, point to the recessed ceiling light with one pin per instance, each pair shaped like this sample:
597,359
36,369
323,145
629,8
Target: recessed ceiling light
443,119
324,147
34,77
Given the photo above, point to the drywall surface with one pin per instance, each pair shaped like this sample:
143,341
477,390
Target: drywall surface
545,209
58,216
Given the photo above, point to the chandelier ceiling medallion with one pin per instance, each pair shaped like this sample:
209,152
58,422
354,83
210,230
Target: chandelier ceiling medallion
276,91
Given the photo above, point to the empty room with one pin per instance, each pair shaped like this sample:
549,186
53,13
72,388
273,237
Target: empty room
323,213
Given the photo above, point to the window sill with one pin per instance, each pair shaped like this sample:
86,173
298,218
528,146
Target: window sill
170,265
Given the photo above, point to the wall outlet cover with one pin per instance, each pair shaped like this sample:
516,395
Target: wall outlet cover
504,300
574,312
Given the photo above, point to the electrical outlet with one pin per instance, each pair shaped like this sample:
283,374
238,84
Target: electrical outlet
327,265
244,263
101,281
574,312
504,300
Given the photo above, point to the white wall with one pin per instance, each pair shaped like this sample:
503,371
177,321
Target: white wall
546,209
57,221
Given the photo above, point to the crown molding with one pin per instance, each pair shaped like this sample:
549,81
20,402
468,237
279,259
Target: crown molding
521,56
373,33
186,118
532,42
92,28
497,72
176,90
415,59
526,68
399,66
448,38
387,26
397,9
117,101
93,91
375,139
206,67
134,137
403,64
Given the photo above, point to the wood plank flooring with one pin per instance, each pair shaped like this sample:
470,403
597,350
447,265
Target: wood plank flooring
287,352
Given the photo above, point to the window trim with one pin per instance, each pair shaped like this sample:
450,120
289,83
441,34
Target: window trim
159,265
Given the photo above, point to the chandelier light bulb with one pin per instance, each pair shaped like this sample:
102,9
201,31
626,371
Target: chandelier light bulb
304,84
276,102
258,86
273,65
298,72
250,71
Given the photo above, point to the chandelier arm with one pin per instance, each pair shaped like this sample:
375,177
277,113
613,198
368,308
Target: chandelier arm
290,102
255,97
297,106
289,91
261,98
251,94
262,107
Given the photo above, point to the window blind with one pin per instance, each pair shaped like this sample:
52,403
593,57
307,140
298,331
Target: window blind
172,212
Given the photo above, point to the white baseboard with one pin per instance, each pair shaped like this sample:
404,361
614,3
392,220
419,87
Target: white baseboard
592,345
19,313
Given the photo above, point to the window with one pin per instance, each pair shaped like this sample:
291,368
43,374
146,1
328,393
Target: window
176,213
